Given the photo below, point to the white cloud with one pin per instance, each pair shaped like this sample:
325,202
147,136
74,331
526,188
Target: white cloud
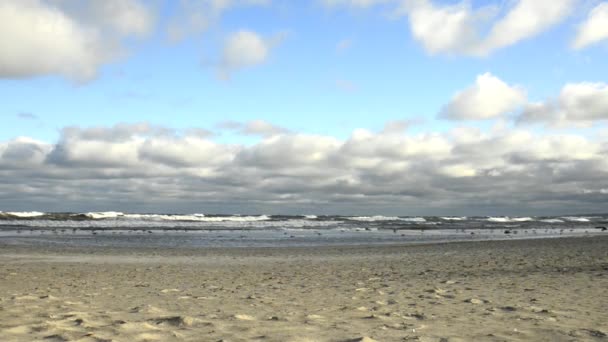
578,103
488,98
179,152
244,49
459,28
73,40
456,28
448,28
526,19
594,29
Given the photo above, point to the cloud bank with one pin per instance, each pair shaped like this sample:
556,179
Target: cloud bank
462,171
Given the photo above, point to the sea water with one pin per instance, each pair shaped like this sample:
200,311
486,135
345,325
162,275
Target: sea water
197,230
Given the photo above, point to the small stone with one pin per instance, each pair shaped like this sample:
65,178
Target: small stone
474,301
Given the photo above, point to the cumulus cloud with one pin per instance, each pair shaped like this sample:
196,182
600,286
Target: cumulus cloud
74,38
488,98
470,171
245,49
195,16
443,28
594,29
578,103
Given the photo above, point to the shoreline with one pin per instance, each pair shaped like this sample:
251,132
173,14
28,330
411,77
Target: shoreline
18,249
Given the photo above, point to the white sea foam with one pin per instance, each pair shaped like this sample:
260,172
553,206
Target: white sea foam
498,219
158,217
104,214
413,219
552,221
522,219
454,218
23,213
575,219
506,219
176,217
215,218
311,217
386,218
244,222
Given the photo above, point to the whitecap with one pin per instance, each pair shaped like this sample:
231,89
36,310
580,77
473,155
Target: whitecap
498,219
575,219
386,218
454,218
552,221
413,219
24,213
104,214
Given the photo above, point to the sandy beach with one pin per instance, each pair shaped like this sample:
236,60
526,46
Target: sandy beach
527,290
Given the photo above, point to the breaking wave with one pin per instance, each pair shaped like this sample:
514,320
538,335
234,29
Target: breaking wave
385,218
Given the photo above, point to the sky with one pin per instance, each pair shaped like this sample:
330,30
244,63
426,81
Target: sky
361,107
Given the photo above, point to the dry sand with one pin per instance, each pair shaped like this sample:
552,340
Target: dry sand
534,290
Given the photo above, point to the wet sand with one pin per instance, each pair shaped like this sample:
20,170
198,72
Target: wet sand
525,290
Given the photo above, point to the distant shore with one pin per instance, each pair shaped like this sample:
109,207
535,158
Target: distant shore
540,289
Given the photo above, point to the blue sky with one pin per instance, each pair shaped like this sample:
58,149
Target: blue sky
307,84
325,69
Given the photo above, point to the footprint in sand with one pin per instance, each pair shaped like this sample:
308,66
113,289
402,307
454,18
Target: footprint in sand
174,321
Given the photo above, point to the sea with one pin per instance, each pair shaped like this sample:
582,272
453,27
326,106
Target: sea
132,230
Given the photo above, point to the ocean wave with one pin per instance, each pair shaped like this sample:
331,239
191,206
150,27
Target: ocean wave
453,218
576,219
552,221
385,218
506,219
103,215
212,223
22,214
160,217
